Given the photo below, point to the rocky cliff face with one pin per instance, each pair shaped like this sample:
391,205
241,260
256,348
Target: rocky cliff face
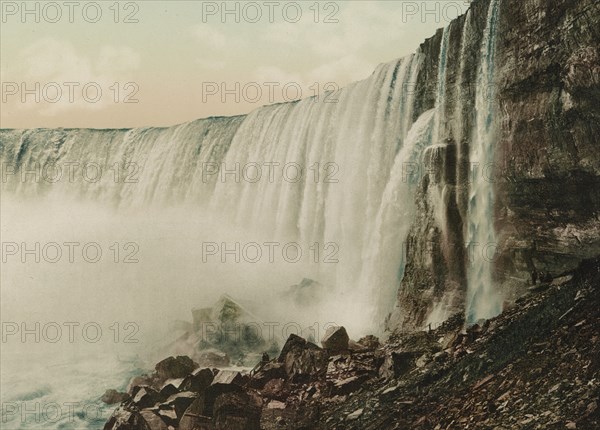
546,173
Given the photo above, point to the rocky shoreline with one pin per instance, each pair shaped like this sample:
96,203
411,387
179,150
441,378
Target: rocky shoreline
535,366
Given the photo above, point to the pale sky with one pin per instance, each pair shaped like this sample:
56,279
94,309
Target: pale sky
178,54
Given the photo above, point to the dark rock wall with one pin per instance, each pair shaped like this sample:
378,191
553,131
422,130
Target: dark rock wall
547,171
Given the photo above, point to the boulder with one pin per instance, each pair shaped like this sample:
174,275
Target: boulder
112,397
237,411
175,367
302,360
170,387
194,418
336,339
168,415
145,397
228,377
271,370
153,421
180,402
198,381
226,381
122,419
275,389
370,342
354,347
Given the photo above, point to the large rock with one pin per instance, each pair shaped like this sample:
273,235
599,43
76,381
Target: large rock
175,367
226,377
275,389
302,360
180,402
153,421
198,381
194,417
226,381
112,397
145,397
123,419
237,411
370,342
335,339
271,370
170,387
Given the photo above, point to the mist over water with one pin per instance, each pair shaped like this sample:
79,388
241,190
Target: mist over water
175,217
312,173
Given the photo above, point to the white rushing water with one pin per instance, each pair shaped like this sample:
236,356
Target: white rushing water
310,172
483,301
158,188
329,174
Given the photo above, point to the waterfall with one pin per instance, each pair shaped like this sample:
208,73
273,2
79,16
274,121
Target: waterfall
482,300
386,253
339,166
460,106
440,99
340,152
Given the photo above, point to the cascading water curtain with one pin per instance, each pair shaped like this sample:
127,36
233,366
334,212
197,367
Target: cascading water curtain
483,300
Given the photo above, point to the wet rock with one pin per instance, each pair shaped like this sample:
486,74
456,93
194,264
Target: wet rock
123,419
180,402
237,410
271,370
275,389
194,417
170,387
370,342
145,397
226,381
112,397
302,360
168,415
198,381
356,347
153,421
335,339
227,377
175,367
